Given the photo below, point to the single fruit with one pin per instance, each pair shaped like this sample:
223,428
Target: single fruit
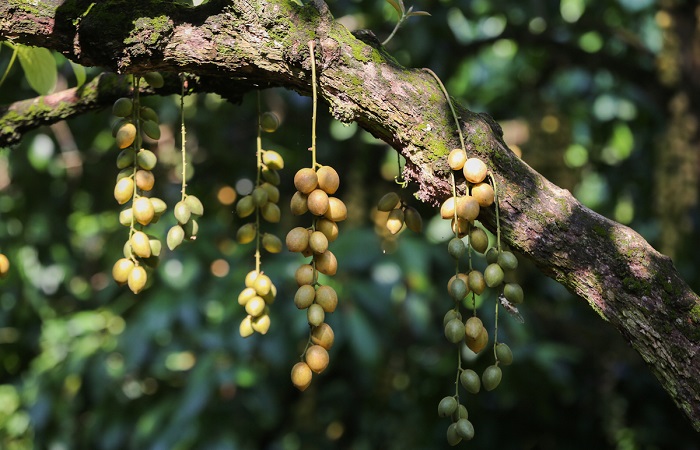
304,296
246,233
337,211
473,327
388,202
273,194
478,344
413,220
147,113
456,248
271,176
449,315
317,202
478,239
447,210
196,207
326,263
328,179
457,158
318,242
262,284
297,204
137,279
273,160
125,159
513,292
175,237
271,212
465,429
151,129
140,244
144,180
491,377
155,79
250,278
395,221
123,190
159,205
261,324
259,196
447,406
255,306
507,261
323,335
245,295
458,289
504,355
453,437
315,315
120,271
269,122
483,193
328,228
301,376
475,170
245,329
454,330
493,275
317,358
143,210
245,206
146,159
477,284
327,298
126,135
4,265
460,226
492,255
297,239
305,274
271,243
123,107
467,208
470,381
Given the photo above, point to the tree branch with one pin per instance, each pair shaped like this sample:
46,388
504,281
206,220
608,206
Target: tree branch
620,275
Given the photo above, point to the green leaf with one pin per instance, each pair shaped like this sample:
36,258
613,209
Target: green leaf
398,6
39,67
418,13
80,73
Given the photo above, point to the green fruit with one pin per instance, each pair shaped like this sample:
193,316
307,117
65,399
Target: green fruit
461,413
504,355
493,275
123,107
271,243
273,160
271,212
269,122
465,429
454,330
182,212
155,79
491,377
473,327
453,437
477,284
156,246
304,296
271,176
447,406
273,194
478,240
126,217
246,233
159,205
507,261
146,159
196,207
175,237
191,228
458,289
449,315
414,221
492,255
456,248
259,196
126,158
298,205
151,129
513,293
470,381
388,202
315,315
245,206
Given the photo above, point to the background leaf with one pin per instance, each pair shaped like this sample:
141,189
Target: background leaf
39,67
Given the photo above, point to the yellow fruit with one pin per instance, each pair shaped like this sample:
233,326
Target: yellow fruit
318,242
317,358
145,180
328,179
126,135
328,228
245,206
262,284
143,210
121,270
255,306
301,376
483,193
140,244
305,274
273,160
337,212
159,205
271,243
246,233
4,266
395,221
137,279
250,278
447,210
262,323
323,335
467,208
245,329
271,212
475,170
245,295
123,190
457,158
305,180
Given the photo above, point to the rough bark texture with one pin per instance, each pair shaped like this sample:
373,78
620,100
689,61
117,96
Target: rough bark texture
265,44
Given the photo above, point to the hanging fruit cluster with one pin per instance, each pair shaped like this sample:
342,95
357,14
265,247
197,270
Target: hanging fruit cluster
135,179
259,291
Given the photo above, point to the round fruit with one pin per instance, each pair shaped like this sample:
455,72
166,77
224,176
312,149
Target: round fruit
327,298
271,243
478,239
245,295
475,170
457,158
483,193
456,248
447,406
126,135
146,159
414,221
465,429
473,327
328,179
305,274
318,242
461,228
504,355
315,315
143,210
245,206
262,284
271,176
155,79
395,221
246,233
145,180
326,263
478,344
120,271
513,293
477,284
388,202
447,210
261,324
273,160
301,376
125,159
470,381
467,208
492,255
507,261
245,329
453,437
297,239
328,228
317,202
458,289
271,212
323,335
493,275
151,129
137,279
491,377
175,237
123,190
304,296
298,204
317,358
255,306
123,107
269,122
250,278
140,244
337,212
259,196
461,413
454,330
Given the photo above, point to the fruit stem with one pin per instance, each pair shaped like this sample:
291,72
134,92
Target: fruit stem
452,108
495,332
459,371
259,167
398,179
498,219
312,47
137,148
182,131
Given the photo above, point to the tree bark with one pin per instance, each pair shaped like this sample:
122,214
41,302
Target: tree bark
265,43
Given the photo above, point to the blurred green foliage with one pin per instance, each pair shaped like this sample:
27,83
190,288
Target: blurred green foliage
86,364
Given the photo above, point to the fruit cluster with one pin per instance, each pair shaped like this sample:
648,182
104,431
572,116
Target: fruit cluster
314,194
259,291
463,211
399,214
141,251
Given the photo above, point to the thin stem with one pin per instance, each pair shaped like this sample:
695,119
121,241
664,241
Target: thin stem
259,167
452,108
312,48
495,332
137,147
498,219
393,32
10,64
459,371
182,132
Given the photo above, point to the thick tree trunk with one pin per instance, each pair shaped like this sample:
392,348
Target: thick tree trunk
266,44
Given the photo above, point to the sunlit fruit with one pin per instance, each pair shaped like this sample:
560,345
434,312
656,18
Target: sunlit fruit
328,179
140,244
126,135
317,358
124,190
475,170
143,210
337,211
483,193
327,298
273,160
120,271
323,335
137,279
301,376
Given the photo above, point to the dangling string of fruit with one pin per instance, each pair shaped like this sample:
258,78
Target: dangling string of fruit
315,187
480,191
259,291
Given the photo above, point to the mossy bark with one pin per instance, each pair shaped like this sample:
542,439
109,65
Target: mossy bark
252,45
